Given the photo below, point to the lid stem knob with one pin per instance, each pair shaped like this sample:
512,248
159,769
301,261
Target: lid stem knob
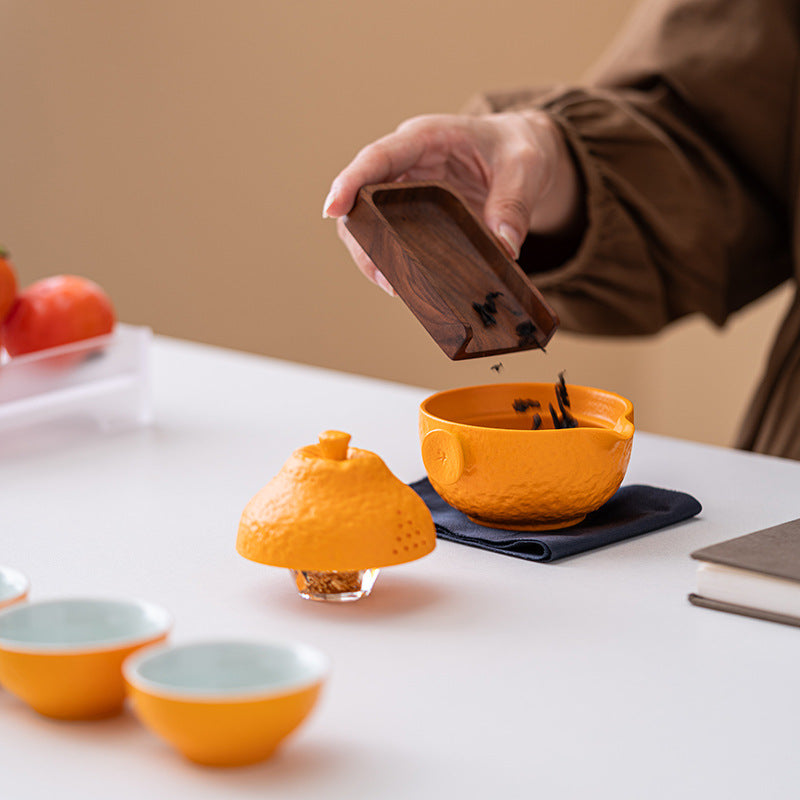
334,444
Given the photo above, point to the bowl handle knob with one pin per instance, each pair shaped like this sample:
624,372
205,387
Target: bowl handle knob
443,456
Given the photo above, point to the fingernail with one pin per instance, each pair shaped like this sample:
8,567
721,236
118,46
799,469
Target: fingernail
380,279
329,201
506,233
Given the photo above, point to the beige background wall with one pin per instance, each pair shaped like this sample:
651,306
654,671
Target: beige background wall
178,152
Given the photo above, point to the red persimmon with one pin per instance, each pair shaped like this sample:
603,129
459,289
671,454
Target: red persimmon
56,311
8,285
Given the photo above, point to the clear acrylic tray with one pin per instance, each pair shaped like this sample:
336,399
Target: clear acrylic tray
104,381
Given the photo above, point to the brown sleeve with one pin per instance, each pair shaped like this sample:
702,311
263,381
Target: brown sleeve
681,138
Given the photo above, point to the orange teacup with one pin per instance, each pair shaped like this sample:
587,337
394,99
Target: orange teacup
64,657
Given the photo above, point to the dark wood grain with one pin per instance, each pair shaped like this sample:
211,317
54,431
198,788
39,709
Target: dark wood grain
441,259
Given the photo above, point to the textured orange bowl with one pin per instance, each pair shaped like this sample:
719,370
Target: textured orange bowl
225,703
483,458
64,657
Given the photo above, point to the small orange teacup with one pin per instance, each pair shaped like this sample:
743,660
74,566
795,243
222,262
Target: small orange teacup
225,703
64,657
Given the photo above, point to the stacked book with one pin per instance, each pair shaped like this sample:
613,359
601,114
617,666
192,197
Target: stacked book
757,575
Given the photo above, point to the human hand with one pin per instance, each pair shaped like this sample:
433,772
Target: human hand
513,169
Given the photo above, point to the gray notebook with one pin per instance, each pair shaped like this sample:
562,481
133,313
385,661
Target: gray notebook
757,575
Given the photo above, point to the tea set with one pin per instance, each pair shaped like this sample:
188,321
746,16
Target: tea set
335,515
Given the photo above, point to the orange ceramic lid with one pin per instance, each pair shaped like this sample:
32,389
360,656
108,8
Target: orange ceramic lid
334,507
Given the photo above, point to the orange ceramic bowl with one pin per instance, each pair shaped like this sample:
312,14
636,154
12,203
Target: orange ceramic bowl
64,657
484,459
225,703
14,587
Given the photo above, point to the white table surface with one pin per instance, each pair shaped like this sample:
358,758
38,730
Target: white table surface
465,674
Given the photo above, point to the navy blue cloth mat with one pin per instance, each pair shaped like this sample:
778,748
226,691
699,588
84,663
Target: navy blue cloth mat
632,511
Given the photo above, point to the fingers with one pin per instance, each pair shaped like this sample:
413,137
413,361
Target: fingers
509,205
535,185
520,173
418,139
383,160
362,260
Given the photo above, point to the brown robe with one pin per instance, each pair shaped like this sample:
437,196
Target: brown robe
688,142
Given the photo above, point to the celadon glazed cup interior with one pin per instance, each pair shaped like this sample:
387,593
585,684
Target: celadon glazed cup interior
225,703
64,657
14,587
483,457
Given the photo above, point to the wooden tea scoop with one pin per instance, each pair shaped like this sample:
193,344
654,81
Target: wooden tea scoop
450,270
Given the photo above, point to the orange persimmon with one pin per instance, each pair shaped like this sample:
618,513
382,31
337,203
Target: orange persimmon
56,311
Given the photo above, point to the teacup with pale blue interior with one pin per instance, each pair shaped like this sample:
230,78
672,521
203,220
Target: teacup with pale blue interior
64,657
14,586
225,703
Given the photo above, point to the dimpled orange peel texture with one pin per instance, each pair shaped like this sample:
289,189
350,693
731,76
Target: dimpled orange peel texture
335,508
